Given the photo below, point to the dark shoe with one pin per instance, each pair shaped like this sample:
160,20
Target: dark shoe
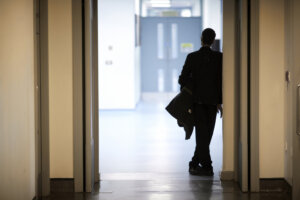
188,131
200,171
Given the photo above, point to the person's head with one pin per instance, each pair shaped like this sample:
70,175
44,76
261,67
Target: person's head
208,37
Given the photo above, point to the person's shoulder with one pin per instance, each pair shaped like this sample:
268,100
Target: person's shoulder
193,54
217,53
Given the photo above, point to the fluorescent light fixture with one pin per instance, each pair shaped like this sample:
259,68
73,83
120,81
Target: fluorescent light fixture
186,13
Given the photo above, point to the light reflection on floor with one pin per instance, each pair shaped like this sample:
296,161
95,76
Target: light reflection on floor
148,141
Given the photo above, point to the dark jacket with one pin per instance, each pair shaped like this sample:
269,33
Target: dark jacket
181,108
203,68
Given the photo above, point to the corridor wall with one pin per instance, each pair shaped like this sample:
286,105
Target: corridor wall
60,88
118,64
271,88
17,119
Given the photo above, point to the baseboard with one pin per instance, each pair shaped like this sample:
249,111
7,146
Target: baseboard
227,175
58,185
274,185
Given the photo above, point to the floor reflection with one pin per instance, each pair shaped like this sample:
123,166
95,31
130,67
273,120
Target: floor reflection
148,140
143,156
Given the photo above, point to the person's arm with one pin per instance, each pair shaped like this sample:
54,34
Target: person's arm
220,109
220,106
186,73
220,81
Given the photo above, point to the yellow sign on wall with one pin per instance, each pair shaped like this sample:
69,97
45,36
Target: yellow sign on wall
187,47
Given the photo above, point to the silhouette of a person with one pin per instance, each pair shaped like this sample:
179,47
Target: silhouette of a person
203,70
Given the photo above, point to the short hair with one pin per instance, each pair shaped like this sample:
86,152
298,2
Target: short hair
208,36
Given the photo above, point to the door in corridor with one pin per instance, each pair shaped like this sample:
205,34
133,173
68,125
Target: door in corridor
165,43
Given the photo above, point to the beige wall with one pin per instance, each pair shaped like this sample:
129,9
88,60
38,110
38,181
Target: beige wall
229,77
17,127
60,88
271,89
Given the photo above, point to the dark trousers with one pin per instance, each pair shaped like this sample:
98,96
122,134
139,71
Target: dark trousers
205,119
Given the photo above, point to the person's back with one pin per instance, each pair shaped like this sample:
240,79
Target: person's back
207,75
203,69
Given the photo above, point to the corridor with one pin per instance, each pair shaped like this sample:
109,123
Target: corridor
144,156
52,56
148,140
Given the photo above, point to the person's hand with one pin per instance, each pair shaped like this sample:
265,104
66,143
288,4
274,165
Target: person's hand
220,109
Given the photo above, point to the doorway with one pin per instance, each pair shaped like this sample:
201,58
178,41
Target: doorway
137,137
135,97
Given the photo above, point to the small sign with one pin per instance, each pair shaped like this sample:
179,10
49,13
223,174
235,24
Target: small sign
187,47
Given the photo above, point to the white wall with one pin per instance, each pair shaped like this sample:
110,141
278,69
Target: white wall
60,88
117,72
17,126
196,11
271,89
212,16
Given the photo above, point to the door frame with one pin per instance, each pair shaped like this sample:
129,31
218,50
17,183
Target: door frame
251,123
293,105
239,104
78,102
254,112
85,95
44,95
79,19
86,147
242,84
91,127
37,100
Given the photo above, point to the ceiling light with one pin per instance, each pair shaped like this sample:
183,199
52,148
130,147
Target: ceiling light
186,13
